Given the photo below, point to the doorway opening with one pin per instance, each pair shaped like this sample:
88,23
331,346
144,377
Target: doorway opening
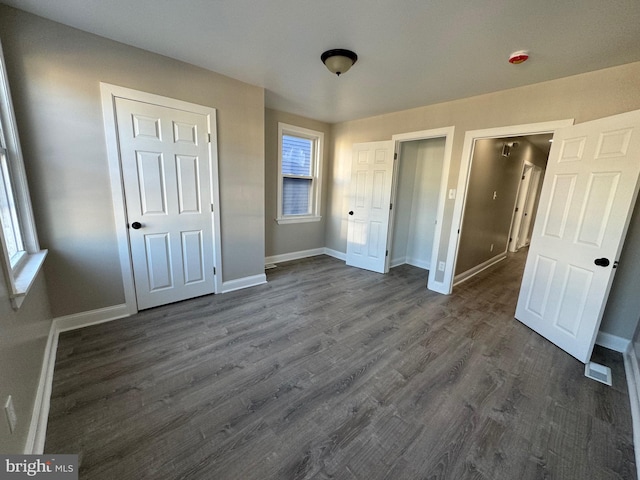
420,193
482,224
502,195
415,209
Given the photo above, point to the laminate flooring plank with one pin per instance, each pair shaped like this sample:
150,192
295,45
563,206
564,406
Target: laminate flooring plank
333,372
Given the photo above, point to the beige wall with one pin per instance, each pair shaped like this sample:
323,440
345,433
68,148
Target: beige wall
291,238
23,338
55,73
583,97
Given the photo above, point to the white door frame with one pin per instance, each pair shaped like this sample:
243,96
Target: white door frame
521,199
527,220
443,286
108,95
470,138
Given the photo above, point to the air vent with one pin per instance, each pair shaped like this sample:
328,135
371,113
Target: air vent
598,372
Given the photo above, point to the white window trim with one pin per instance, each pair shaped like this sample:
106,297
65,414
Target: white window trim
318,137
21,277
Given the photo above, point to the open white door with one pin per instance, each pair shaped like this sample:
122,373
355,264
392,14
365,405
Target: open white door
586,202
369,205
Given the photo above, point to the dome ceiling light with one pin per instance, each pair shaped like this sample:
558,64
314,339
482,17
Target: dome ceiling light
338,61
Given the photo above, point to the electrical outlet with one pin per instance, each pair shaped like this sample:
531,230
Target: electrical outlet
441,266
10,411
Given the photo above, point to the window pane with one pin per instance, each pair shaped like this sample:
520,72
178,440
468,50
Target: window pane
296,155
8,213
296,196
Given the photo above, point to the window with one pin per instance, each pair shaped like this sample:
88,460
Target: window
21,255
299,179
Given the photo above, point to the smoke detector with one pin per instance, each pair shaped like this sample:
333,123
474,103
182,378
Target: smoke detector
518,57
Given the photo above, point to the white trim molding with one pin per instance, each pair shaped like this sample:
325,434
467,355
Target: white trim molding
461,277
632,371
335,254
40,416
314,252
612,342
40,413
245,282
287,257
93,317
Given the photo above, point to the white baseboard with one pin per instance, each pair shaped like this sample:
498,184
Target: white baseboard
458,279
244,282
416,262
287,257
335,254
612,342
40,413
92,317
632,372
439,287
396,262
39,418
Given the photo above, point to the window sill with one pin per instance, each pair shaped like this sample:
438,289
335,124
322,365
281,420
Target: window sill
298,219
26,275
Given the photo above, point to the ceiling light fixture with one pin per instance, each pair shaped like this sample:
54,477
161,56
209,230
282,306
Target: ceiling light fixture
338,61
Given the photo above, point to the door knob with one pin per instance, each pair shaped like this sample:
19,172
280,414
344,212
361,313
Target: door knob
351,212
136,225
602,262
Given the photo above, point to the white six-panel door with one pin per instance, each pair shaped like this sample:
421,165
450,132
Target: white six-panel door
586,202
369,203
165,161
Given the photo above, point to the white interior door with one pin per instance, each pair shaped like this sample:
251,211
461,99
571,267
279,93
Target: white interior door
166,168
369,205
585,206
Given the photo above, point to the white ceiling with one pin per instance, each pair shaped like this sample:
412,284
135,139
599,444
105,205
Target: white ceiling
411,52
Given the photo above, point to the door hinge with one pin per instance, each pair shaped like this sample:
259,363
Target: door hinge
212,207
522,177
395,156
386,254
209,137
391,206
517,209
214,270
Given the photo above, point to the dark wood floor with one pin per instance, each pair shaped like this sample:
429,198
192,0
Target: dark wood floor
329,371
